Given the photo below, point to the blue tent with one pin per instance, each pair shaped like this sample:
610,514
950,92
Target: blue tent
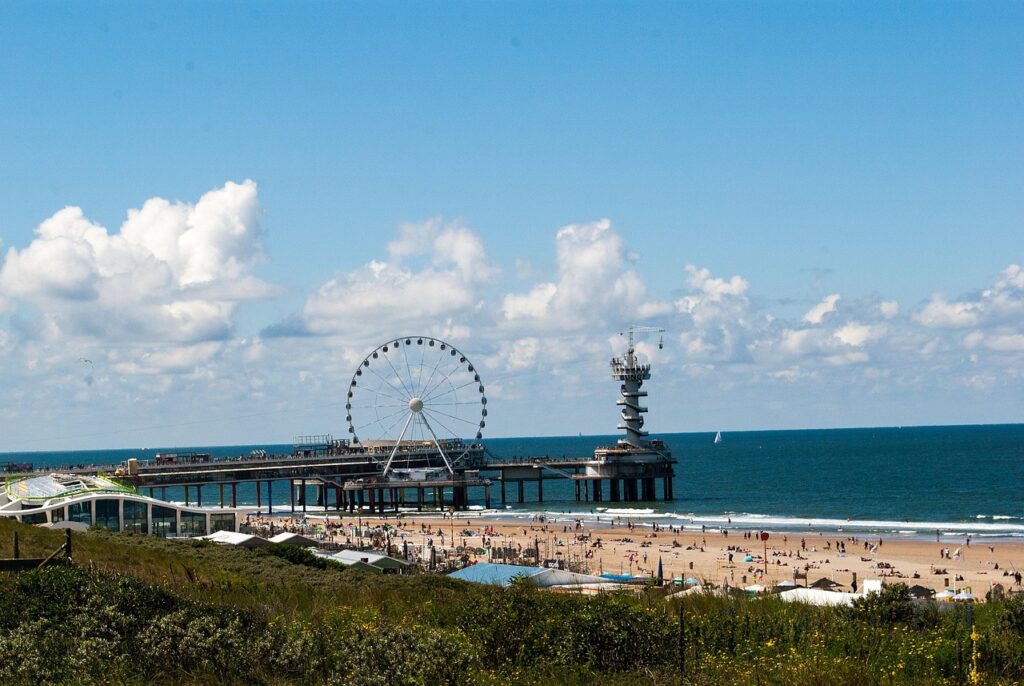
494,574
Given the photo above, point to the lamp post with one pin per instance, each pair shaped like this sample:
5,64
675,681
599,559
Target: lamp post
764,537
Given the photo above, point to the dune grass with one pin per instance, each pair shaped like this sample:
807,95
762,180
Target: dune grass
138,609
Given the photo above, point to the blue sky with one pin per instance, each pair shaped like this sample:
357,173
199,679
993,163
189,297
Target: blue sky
873,151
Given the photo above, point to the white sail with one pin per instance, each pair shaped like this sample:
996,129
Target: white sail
718,437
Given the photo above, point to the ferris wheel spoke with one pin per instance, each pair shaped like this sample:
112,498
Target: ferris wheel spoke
467,421
456,388
412,384
389,384
444,426
430,378
437,443
383,434
461,402
381,420
446,376
397,375
423,357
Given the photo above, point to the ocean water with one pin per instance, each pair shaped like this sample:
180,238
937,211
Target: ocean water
912,481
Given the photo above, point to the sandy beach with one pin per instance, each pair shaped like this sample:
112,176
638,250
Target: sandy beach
733,556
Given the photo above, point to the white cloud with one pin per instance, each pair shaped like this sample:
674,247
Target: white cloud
816,314
858,335
595,285
1002,303
889,308
450,268
174,271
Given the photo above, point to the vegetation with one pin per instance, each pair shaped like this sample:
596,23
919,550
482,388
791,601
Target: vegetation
136,609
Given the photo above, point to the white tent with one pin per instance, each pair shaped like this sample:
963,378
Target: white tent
236,538
294,539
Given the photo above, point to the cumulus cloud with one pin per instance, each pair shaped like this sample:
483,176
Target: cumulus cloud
595,284
1001,303
435,271
817,313
175,271
715,316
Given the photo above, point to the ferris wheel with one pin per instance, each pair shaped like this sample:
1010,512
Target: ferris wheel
416,398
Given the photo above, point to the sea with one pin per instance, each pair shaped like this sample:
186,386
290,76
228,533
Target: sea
919,482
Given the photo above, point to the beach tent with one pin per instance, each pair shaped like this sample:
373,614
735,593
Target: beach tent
502,575
294,539
922,592
817,596
236,538
382,562
963,597
824,584
944,595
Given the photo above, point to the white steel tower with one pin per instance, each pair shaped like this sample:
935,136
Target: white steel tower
632,374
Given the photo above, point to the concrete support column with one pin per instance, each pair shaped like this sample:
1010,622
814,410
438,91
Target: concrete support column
302,494
120,514
186,494
540,485
522,492
503,501
650,490
373,502
270,497
419,499
291,494
613,495
597,491
221,488
199,495
586,490
487,496
234,494
259,498
667,486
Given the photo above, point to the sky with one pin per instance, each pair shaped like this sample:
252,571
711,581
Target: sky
211,212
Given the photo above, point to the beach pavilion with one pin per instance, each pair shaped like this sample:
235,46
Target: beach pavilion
54,499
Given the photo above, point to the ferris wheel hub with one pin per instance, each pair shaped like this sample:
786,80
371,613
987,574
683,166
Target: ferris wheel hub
416,405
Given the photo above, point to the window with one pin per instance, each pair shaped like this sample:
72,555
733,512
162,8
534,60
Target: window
80,512
106,514
57,514
134,517
193,524
222,522
164,521
34,518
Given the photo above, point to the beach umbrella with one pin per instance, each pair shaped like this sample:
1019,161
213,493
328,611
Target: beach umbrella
661,571
964,596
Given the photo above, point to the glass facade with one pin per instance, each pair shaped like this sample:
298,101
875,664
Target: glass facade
164,521
34,518
135,517
81,512
193,524
58,514
106,514
222,522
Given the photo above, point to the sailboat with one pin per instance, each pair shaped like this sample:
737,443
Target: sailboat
718,438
